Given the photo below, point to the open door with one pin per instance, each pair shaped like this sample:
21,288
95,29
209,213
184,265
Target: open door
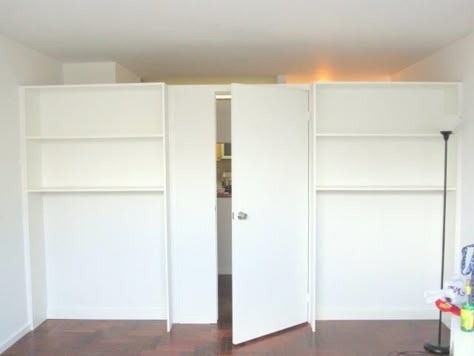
270,209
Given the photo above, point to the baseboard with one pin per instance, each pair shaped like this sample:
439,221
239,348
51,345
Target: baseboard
429,313
192,319
106,313
6,344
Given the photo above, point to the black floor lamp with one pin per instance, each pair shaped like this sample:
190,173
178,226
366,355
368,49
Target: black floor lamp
441,346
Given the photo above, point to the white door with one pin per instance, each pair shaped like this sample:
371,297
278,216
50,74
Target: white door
270,209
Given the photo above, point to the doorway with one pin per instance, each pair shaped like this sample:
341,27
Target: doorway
224,208
270,156
261,209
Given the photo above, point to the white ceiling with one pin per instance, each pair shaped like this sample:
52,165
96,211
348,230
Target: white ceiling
163,38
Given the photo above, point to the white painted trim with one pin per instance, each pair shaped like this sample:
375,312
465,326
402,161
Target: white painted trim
223,96
96,137
150,313
169,320
459,195
106,85
214,197
453,322
25,210
312,211
13,338
426,313
94,189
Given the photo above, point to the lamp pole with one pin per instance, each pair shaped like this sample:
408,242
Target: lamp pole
439,347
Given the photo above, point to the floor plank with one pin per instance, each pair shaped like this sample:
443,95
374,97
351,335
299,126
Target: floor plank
149,338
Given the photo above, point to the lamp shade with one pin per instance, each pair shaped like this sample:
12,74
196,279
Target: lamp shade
449,123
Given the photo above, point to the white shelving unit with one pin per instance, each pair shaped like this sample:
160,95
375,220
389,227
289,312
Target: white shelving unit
95,200
378,183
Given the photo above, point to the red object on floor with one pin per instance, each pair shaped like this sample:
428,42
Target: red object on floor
445,306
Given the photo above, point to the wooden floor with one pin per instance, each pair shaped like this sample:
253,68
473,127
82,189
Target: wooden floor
146,338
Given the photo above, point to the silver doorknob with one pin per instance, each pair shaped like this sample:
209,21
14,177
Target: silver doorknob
242,216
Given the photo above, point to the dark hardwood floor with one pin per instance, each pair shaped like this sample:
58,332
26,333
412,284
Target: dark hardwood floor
146,338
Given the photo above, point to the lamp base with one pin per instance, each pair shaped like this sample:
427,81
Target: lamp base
434,347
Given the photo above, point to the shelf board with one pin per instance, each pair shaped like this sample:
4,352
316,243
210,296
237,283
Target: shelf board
94,189
414,135
97,137
384,188
95,86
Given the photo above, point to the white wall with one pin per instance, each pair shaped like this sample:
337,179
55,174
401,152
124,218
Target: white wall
91,72
456,63
192,171
97,72
362,240
105,256
18,65
123,75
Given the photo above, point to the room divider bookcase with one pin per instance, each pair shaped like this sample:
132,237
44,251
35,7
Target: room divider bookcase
378,181
95,200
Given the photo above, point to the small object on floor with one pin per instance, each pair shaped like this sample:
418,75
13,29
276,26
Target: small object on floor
406,353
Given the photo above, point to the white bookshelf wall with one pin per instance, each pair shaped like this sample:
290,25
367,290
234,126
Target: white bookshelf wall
384,161
88,111
95,164
379,180
384,108
94,159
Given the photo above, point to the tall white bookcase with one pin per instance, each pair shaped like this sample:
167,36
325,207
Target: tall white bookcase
377,197
94,161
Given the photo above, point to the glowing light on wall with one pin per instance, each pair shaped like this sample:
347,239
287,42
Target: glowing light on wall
327,74
323,74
